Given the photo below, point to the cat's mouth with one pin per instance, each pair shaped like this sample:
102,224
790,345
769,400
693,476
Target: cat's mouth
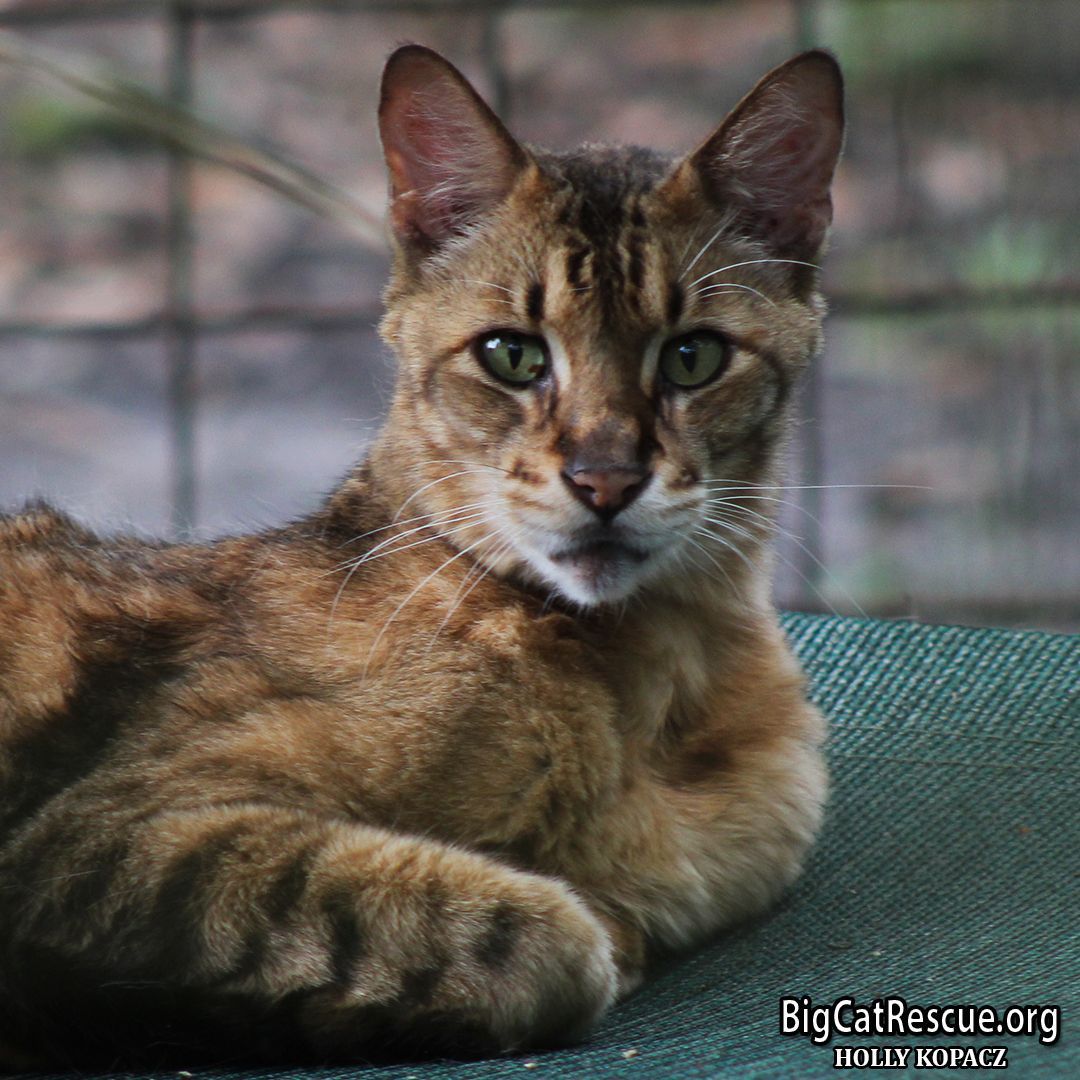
601,552
599,568
601,564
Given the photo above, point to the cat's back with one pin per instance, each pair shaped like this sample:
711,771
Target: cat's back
49,566
118,652
69,598
96,636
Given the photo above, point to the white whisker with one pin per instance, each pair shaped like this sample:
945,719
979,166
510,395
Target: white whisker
461,596
794,569
430,577
723,504
719,566
724,542
549,600
472,522
395,524
728,504
459,522
751,262
718,291
428,521
490,284
709,243
462,461
805,549
420,491
724,286
746,485
694,234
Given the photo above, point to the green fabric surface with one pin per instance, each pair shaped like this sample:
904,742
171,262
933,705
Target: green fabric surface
947,872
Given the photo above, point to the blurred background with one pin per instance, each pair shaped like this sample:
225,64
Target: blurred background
185,352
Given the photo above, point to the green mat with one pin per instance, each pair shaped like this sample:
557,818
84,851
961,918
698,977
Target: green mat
947,873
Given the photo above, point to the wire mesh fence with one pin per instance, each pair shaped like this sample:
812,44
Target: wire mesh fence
145,293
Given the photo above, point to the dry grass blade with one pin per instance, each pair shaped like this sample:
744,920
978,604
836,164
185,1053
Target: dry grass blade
153,114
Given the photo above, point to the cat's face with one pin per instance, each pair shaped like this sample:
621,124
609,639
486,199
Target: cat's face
596,348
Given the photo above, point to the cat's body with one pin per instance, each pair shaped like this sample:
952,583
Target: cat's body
449,758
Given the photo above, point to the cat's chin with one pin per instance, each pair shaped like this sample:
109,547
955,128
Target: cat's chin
597,572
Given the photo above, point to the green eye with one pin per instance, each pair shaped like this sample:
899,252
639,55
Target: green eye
694,359
515,358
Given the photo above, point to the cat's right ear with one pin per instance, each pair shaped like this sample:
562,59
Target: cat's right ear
450,159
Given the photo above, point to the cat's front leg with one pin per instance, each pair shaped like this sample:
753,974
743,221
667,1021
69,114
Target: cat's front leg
745,816
708,833
278,929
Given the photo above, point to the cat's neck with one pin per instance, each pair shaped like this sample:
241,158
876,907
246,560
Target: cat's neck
664,649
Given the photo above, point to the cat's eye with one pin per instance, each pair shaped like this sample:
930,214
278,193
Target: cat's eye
693,359
514,358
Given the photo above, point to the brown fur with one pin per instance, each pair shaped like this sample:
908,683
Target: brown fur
386,774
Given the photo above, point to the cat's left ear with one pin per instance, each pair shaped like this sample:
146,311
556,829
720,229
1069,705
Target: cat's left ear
772,159
450,159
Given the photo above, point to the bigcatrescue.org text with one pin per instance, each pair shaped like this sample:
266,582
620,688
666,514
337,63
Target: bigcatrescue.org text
887,1017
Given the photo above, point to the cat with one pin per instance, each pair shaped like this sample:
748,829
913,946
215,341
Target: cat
446,763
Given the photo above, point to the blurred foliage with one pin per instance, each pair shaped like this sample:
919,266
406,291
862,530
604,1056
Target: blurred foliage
42,129
1009,253
890,39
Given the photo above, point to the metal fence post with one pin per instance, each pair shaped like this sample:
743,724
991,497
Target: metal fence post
179,321
809,559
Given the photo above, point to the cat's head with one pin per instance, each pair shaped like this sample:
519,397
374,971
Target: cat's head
596,348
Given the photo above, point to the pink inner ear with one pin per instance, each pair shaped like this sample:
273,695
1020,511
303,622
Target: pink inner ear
450,159
784,159
417,172
777,152
802,166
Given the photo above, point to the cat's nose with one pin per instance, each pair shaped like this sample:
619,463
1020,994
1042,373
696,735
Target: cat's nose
609,490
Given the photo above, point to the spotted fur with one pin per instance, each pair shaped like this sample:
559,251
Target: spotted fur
446,762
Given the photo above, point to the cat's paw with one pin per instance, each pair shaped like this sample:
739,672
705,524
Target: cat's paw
545,966
470,957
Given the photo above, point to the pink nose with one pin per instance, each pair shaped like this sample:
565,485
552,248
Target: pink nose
607,491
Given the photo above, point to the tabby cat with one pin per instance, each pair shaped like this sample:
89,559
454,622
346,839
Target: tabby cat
447,762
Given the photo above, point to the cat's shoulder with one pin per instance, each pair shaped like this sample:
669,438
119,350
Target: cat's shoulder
38,524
